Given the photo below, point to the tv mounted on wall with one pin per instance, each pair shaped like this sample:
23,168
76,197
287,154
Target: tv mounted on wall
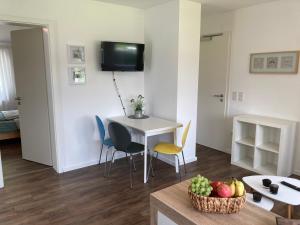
120,56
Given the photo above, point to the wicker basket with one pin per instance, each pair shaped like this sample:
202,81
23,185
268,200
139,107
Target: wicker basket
217,205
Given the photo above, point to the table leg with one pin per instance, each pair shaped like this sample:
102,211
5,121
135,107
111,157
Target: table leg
290,211
153,215
145,158
175,142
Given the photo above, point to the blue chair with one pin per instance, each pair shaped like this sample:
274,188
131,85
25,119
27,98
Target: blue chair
104,142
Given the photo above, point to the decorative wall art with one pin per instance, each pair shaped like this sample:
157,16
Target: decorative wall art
275,62
76,54
76,69
77,75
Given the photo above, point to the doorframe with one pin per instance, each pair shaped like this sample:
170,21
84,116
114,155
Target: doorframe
228,79
54,100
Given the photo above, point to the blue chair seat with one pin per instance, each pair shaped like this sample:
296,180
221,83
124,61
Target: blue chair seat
108,142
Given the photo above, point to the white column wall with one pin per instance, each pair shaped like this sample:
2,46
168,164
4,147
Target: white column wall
172,37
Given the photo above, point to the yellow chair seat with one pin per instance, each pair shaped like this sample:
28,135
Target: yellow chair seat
167,148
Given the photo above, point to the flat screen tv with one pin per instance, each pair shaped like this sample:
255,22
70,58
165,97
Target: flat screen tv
119,56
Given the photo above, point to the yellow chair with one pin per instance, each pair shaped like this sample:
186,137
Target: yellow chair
172,149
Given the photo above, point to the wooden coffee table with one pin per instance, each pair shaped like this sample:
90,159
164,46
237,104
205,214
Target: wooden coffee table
285,194
172,205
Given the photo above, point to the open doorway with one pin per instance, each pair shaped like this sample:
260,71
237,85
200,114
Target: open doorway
213,91
25,141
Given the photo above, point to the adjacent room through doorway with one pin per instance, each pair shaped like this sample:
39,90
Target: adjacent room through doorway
24,112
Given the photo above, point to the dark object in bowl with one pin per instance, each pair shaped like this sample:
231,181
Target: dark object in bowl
266,182
274,188
257,196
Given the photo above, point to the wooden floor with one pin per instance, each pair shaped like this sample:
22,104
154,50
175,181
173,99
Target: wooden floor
13,165
85,197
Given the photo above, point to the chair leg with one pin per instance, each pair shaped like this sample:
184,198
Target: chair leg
100,153
183,162
150,168
178,167
112,159
130,170
156,158
134,168
150,164
132,162
105,172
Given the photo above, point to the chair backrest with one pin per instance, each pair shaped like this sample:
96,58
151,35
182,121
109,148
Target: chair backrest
185,134
120,136
100,128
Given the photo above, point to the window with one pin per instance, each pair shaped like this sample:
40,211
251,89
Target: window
7,80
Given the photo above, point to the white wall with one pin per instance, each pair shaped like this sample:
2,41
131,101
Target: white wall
172,30
161,55
216,23
5,32
267,27
86,23
188,72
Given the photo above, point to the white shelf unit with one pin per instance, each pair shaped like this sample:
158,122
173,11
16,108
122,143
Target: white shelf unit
264,145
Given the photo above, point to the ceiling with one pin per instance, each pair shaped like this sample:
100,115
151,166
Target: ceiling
219,6
209,6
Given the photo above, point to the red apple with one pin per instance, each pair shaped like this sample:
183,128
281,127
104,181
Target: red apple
215,185
224,191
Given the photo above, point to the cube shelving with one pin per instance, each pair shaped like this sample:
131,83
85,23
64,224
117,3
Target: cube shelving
263,144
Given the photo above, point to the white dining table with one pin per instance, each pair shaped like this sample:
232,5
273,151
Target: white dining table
148,127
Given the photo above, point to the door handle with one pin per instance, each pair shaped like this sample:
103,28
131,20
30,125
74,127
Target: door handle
18,99
218,96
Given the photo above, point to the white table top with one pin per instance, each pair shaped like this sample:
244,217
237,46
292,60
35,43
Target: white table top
149,125
265,203
285,194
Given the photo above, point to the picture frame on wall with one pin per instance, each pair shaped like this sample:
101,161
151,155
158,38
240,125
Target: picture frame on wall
76,54
275,63
77,75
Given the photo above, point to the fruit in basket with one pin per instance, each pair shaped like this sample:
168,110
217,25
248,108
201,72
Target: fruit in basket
239,188
215,185
224,191
231,184
200,186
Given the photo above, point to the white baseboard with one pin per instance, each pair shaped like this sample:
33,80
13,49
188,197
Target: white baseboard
166,159
80,165
171,162
120,155
93,162
191,159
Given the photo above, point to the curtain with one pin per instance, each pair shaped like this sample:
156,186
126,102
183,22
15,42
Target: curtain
7,80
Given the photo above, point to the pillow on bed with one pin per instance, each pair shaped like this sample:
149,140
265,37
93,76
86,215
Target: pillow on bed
284,221
10,115
2,117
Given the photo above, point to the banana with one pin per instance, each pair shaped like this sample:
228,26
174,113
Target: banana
239,188
231,184
233,189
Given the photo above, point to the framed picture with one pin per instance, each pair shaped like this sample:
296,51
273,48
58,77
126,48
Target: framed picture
76,54
77,75
275,62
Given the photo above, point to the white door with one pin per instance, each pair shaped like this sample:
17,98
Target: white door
30,75
214,67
